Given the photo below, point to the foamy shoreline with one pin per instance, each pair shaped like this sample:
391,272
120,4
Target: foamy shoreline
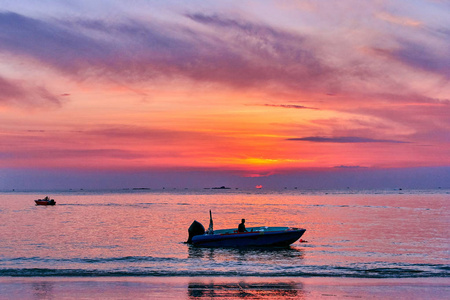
222,287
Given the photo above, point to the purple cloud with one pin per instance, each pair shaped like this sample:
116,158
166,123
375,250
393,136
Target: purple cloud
75,153
290,106
9,90
342,139
15,92
423,57
48,42
233,51
349,167
236,53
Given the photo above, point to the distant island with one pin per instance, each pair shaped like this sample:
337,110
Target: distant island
221,188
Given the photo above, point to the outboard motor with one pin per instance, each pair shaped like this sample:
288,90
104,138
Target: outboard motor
196,228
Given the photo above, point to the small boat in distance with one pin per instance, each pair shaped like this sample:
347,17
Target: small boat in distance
262,236
45,201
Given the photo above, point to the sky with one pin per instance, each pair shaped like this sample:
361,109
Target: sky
310,94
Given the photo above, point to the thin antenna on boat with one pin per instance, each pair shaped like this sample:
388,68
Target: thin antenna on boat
210,228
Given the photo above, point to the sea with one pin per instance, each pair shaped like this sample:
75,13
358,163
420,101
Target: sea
142,233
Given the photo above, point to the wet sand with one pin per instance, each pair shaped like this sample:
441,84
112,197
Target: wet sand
222,288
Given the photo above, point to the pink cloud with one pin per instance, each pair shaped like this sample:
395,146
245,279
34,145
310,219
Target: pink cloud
14,92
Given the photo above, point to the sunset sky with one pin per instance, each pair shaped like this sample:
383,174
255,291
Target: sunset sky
241,93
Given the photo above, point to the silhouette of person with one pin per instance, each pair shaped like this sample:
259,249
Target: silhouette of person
241,227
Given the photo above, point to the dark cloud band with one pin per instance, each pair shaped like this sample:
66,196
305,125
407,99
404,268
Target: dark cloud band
342,139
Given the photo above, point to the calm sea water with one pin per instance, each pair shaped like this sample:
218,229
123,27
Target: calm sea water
383,234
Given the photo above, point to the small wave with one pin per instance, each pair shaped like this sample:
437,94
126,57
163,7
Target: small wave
92,260
389,272
311,271
141,205
90,204
127,259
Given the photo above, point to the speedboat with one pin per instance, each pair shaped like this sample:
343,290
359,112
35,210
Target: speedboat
255,237
262,236
45,201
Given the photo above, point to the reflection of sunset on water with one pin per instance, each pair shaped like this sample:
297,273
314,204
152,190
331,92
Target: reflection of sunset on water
143,233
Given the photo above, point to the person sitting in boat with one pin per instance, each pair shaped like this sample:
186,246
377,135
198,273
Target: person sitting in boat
241,227
46,198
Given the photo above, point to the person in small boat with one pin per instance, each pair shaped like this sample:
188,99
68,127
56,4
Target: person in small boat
241,227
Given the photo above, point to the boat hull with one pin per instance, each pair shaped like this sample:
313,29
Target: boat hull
44,202
275,238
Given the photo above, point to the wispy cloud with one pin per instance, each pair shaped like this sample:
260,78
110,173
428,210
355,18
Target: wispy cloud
68,153
50,42
343,139
236,53
349,167
423,57
23,93
220,48
290,106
